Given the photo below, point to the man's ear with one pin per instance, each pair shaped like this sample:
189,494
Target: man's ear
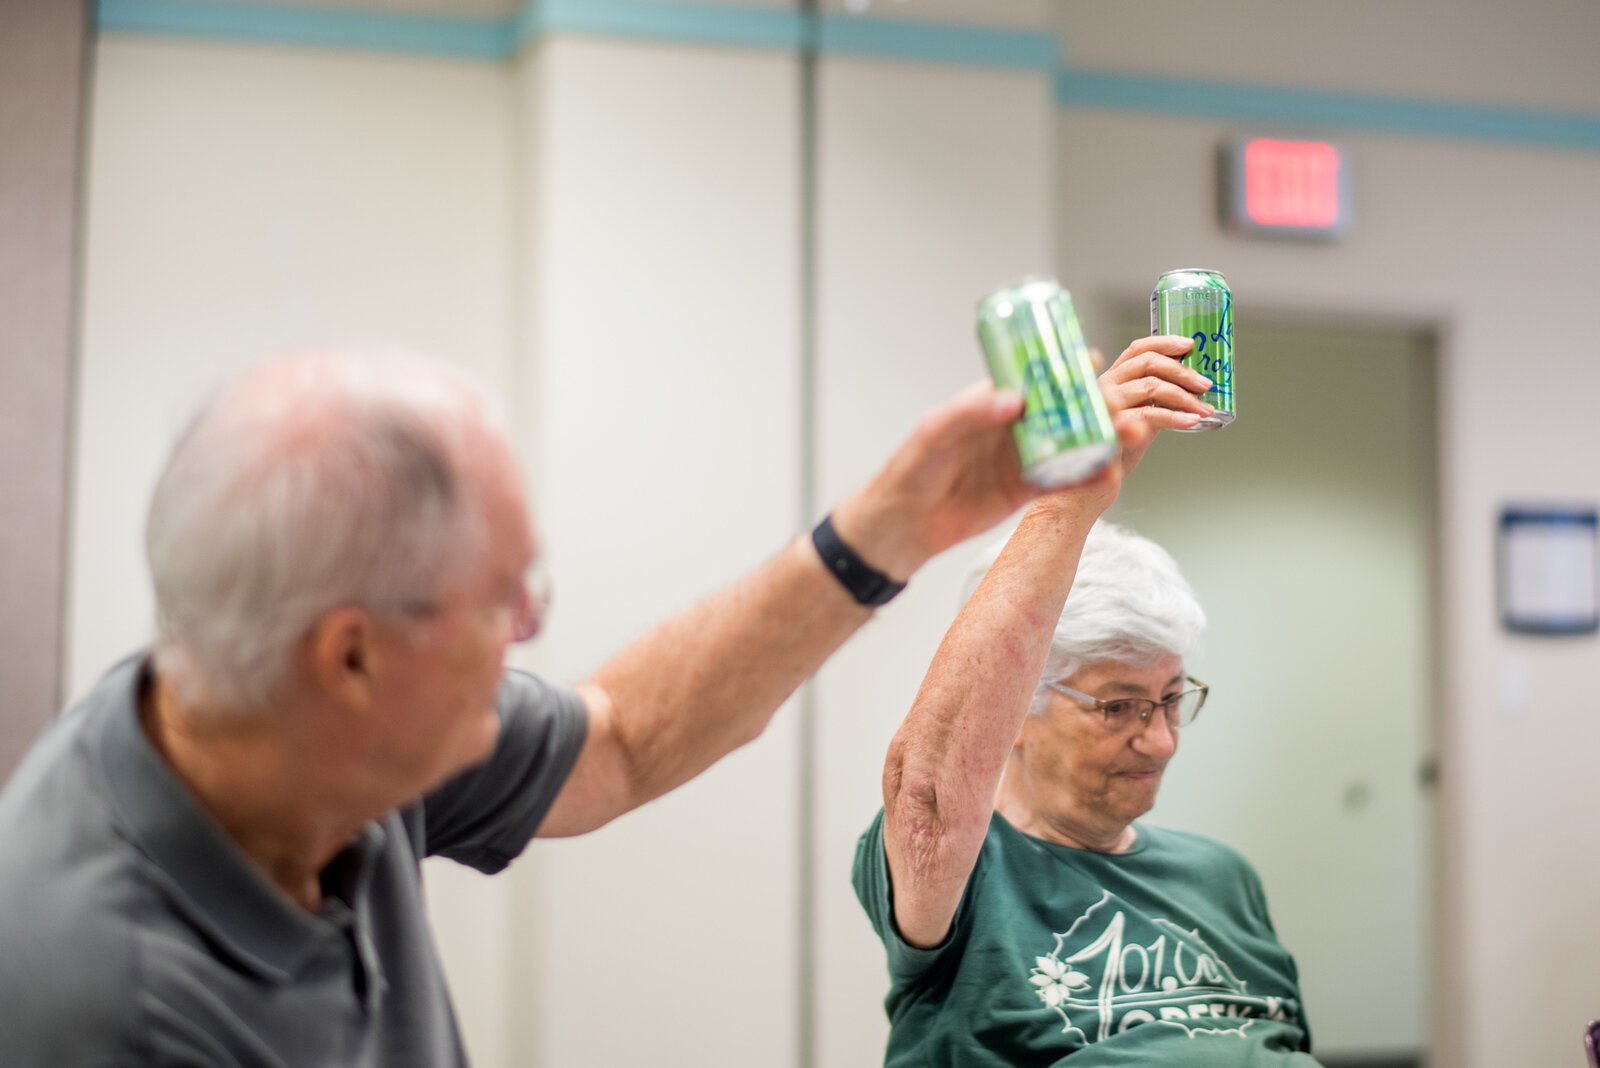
342,657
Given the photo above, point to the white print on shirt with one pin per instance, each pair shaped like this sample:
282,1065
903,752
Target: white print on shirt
1108,977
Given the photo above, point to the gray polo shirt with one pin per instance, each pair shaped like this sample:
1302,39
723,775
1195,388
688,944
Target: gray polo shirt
134,932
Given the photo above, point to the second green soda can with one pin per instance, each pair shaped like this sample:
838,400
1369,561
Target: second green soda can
1196,303
1033,344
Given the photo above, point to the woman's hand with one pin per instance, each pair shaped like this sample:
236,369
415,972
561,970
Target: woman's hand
1150,382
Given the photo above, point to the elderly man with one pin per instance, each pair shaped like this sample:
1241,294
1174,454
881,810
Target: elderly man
1028,919
213,858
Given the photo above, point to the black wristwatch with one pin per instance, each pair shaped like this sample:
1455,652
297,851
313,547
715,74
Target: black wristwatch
866,584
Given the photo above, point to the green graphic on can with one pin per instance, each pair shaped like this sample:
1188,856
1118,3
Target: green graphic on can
1034,345
1197,304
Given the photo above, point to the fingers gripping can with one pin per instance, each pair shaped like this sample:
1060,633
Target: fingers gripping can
1033,344
1196,303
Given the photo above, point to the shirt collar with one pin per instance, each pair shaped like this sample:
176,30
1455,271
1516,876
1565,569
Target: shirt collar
207,876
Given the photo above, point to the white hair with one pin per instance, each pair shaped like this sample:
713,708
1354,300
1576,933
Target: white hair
1129,604
316,481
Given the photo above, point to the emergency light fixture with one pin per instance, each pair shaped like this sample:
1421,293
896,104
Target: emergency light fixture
1288,188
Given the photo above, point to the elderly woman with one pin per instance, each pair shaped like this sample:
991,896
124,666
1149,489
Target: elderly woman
1027,917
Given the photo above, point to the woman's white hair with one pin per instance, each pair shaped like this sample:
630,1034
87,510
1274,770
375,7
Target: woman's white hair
1129,604
320,480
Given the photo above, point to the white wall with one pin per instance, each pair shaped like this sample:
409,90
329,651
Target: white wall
244,200
662,331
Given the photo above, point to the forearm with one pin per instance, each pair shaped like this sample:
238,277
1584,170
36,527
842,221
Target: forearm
946,760
709,680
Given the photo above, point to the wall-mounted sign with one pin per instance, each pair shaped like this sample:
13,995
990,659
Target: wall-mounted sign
1550,570
1293,188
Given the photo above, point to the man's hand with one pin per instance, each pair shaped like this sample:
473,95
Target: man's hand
957,475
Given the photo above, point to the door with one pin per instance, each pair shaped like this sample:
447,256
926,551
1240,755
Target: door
1306,528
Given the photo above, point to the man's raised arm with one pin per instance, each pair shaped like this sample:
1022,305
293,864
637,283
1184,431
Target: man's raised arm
709,680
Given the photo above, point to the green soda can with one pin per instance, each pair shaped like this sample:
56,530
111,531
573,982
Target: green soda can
1033,344
1194,302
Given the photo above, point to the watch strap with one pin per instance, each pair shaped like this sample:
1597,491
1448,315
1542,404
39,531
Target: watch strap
866,584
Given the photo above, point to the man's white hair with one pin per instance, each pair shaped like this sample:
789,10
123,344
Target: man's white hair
316,481
1129,605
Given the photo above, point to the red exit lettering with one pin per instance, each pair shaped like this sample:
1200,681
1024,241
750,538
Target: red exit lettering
1292,183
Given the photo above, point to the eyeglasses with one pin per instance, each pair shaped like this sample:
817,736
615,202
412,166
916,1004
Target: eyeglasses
530,604
1133,713
526,606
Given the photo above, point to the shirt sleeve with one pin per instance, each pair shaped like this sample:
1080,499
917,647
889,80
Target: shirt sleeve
1257,896
908,964
484,817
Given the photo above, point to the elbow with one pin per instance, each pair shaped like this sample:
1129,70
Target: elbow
937,814
745,732
912,790
912,813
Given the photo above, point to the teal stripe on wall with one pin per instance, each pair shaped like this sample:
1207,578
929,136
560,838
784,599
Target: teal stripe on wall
1255,103
719,24
838,34
388,32
929,42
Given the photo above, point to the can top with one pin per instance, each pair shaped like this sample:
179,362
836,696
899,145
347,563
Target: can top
1194,270
1030,288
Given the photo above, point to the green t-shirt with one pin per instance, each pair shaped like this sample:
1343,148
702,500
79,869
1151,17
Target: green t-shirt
1160,955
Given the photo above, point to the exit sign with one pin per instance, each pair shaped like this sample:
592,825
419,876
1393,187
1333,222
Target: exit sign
1295,188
